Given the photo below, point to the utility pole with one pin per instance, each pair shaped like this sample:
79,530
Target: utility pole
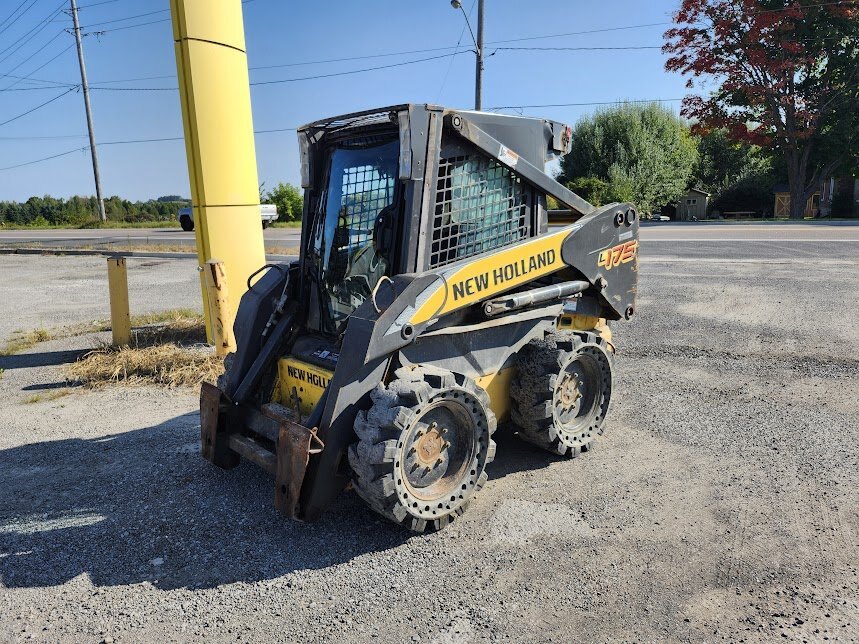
85,86
478,49
478,73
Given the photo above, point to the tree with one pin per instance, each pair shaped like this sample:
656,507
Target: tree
722,161
786,77
644,153
288,199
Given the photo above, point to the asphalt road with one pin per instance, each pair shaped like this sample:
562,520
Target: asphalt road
722,504
749,241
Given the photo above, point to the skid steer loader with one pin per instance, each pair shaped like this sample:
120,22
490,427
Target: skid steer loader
430,302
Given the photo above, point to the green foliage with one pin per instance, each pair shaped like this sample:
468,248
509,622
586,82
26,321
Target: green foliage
592,189
722,162
752,192
287,198
740,176
644,153
77,211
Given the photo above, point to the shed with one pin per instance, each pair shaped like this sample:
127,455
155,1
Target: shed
693,205
782,202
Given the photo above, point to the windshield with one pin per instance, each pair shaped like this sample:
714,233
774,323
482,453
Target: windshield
361,183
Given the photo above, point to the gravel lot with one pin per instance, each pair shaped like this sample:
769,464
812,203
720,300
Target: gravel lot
720,506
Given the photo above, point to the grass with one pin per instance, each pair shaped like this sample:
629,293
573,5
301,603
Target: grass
145,248
168,348
166,223
174,318
23,340
286,224
47,396
169,351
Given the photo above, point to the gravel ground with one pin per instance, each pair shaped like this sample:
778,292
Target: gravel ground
720,506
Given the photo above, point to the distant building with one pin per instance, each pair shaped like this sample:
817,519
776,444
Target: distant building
782,202
693,205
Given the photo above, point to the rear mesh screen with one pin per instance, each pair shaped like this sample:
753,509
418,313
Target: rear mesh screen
480,205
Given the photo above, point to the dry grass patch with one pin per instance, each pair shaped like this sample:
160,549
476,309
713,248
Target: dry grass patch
169,352
24,340
143,247
46,396
165,364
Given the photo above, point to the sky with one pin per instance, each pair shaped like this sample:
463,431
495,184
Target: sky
132,39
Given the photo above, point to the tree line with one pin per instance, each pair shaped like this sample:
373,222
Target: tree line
80,211
647,155
83,211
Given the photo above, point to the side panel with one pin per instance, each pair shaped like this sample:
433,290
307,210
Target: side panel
497,385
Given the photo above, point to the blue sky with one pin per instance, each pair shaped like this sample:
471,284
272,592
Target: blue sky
291,33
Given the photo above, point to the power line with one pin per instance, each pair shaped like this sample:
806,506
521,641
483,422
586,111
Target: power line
109,22
101,32
643,100
34,54
54,156
19,15
291,80
43,65
38,107
142,24
14,11
576,48
35,30
95,4
450,64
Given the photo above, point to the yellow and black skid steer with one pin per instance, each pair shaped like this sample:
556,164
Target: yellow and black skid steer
431,301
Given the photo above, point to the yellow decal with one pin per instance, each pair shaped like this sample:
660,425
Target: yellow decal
493,274
617,255
303,380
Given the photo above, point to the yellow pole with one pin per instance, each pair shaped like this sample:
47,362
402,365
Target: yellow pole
220,312
120,318
219,141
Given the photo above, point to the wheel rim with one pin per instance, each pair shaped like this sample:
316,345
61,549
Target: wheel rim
438,450
577,395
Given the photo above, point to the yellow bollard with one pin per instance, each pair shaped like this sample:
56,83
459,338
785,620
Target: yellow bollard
120,318
220,312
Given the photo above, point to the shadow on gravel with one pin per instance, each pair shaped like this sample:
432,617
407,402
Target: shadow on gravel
40,359
143,506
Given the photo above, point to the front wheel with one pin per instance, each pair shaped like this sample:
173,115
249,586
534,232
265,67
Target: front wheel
561,393
423,447
187,224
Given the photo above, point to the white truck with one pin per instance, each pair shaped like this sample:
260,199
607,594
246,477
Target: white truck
268,213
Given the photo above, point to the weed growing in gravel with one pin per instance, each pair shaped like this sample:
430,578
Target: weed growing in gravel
25,340
47,396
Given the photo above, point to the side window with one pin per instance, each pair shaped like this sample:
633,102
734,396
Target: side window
480,205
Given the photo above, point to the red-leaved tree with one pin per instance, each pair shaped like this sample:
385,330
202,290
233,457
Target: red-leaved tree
782,74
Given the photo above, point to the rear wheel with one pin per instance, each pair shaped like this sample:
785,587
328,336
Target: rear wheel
423,447
562,391
187,224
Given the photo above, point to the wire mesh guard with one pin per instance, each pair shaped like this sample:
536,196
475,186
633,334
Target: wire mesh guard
364,192
480,205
